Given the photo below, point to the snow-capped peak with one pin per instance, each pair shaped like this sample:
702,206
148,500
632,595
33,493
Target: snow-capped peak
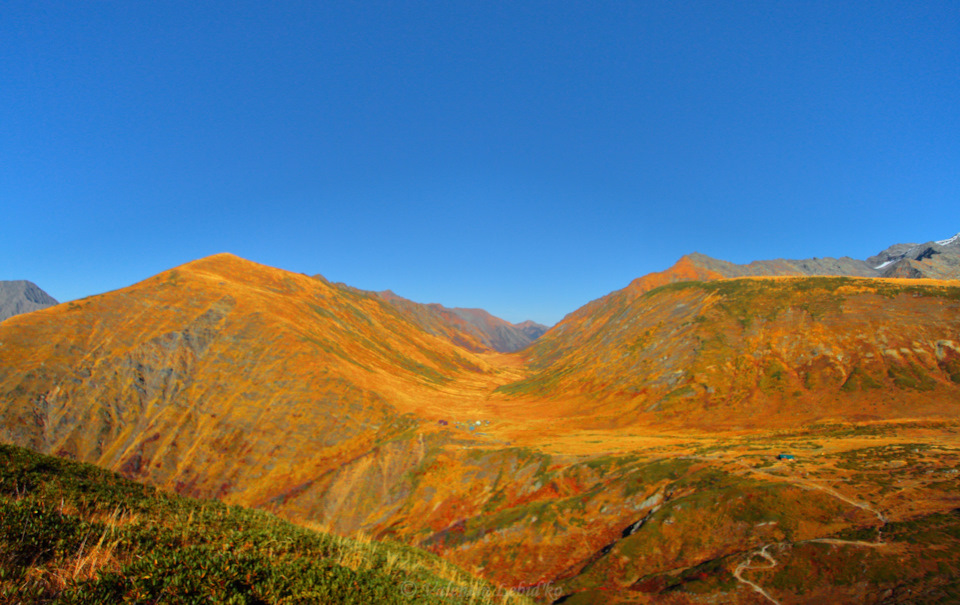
952,240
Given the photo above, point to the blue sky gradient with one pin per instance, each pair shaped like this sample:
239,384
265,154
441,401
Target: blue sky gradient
522,157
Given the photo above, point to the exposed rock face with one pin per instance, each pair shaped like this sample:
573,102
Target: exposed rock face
917,252
936,260
21,296
812,266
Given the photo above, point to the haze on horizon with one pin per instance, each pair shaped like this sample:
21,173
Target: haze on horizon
523,158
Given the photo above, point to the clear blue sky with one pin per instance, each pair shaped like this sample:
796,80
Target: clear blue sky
523,157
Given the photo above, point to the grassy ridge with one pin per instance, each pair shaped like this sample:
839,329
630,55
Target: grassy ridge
777,338
73,533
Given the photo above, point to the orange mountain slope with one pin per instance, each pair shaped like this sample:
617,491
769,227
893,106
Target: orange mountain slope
218,356
589,462
758,353
592,317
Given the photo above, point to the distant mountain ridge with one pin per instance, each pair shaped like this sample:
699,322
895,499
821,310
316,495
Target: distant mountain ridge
599,318
474,329
22,296
934,260
937,260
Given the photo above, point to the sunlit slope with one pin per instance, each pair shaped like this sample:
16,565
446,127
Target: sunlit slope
221,377
936,260
754,352
592,318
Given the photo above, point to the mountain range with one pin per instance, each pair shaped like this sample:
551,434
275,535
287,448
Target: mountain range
591,460
473,329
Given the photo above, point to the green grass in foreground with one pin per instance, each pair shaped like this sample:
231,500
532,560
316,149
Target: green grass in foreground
73,533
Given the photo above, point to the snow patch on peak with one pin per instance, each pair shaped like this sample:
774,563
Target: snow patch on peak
889,262
947,242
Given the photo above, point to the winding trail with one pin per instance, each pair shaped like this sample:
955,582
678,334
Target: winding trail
746,564
808,484
829,490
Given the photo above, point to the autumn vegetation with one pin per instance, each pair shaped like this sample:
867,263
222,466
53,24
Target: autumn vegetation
630,455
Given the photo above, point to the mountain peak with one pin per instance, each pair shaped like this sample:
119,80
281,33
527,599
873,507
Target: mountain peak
531,329
232,268
939,259
529,323
213,260
22,296
690,267
955,240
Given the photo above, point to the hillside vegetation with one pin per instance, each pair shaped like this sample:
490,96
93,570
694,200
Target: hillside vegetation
758,353
72,533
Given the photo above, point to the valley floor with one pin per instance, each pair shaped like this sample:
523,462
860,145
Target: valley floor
865,495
